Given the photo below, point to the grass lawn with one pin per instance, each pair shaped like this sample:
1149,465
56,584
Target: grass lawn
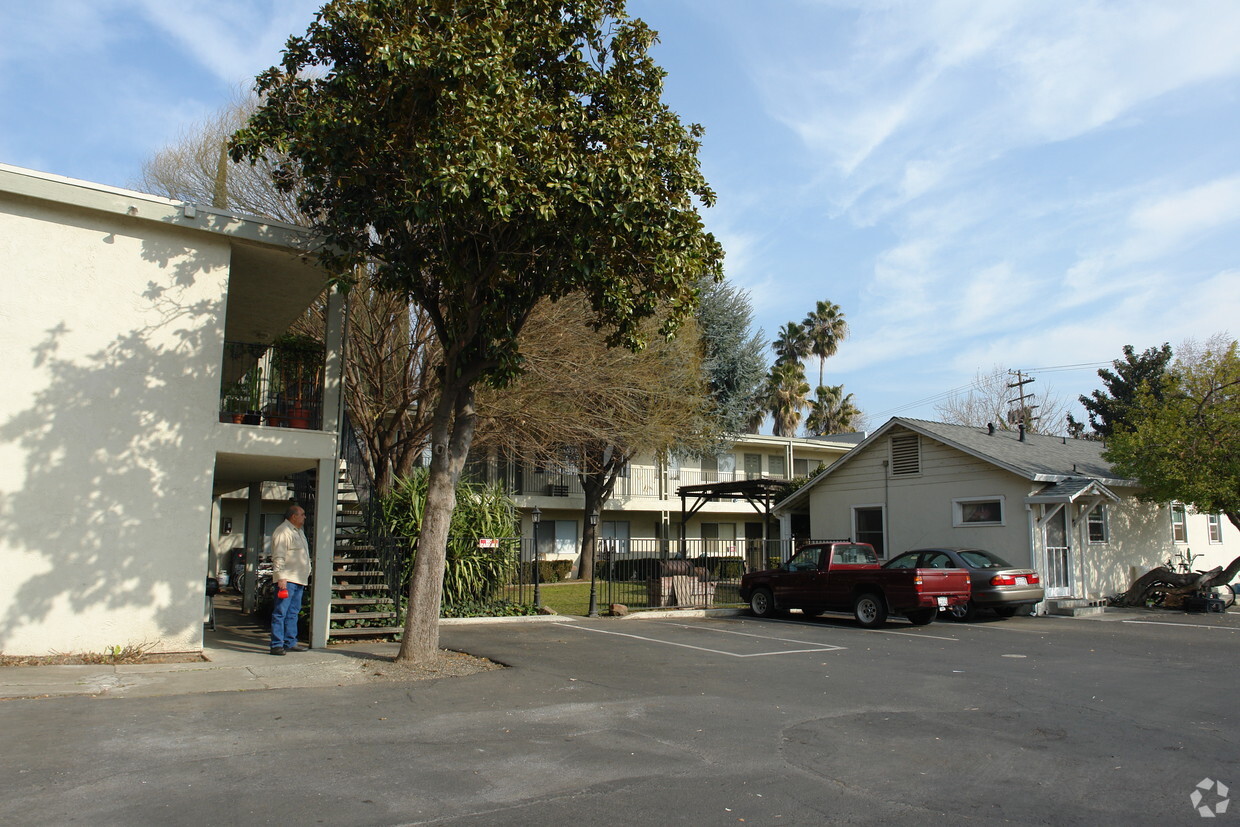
573,598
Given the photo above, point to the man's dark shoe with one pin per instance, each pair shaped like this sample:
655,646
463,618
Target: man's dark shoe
276,650
298,649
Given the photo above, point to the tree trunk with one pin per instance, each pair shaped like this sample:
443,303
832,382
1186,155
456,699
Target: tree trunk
452,431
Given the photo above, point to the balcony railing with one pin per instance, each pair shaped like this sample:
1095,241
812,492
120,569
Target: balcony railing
277,385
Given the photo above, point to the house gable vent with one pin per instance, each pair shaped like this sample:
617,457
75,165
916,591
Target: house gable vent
905,454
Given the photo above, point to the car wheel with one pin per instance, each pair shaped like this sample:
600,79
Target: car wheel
964,611
922,617
762,603
1007,611
870,610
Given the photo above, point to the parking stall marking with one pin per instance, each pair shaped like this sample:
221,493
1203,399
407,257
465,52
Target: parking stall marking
817,647
811,624
1192,625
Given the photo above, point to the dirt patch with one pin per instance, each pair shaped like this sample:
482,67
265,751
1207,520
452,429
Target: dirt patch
101,658
447,664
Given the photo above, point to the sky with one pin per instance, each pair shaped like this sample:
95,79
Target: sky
1030,184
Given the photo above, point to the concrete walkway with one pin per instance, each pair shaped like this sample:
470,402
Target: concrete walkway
237,658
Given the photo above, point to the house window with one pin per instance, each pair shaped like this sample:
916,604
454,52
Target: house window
1215,524
977,511
800,467
906,454
1097,519
777,466
1179,523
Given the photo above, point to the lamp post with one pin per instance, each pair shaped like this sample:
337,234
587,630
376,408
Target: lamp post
535,517
593,563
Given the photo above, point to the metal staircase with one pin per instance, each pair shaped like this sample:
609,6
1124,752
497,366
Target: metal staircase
363,602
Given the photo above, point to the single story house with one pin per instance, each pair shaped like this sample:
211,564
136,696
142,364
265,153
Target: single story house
1047,502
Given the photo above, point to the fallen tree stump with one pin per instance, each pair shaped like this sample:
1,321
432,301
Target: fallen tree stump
1165,588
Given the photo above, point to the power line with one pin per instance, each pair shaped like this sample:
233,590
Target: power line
974,384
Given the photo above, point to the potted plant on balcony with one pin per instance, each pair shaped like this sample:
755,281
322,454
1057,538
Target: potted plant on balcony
297,360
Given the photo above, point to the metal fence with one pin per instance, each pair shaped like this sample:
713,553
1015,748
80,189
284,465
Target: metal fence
636,573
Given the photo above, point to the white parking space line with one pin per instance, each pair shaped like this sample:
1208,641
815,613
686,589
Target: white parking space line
816,647
749,634
858,629
1190,625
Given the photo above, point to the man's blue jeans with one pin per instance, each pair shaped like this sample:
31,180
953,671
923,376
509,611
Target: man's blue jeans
284,618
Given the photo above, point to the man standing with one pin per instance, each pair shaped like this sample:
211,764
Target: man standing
290,560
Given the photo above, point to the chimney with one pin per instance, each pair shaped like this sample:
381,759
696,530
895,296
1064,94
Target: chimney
1022,431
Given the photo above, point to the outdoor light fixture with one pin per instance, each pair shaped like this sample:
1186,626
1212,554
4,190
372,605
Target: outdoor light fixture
593,565
535,517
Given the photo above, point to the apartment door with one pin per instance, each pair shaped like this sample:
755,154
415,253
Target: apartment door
1057,541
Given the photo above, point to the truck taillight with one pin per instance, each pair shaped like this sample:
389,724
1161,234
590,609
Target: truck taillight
916,579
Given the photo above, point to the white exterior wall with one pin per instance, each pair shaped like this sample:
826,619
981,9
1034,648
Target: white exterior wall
111,333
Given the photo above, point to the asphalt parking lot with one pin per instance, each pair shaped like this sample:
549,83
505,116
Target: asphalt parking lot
678,720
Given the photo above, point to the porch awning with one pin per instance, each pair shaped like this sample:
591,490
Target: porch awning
1071,490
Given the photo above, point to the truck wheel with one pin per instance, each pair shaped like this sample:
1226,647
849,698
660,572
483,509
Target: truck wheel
922,617
762,603
870,610
964,611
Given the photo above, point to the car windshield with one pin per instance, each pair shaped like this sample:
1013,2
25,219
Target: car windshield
976,558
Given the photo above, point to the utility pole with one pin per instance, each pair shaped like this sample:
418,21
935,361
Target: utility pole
1023,412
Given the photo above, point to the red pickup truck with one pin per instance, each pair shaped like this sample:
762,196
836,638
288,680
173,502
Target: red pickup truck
844,576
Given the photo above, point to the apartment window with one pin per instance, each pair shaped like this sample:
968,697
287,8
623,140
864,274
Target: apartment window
868,527
977,511
1097,519
1179,523
777,466
1215,523
753,466
673,468
800,467
905,454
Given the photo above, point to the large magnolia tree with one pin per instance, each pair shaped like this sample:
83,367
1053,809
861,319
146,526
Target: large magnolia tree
483,155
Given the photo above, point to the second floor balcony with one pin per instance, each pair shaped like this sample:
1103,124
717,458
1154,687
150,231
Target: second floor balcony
277,385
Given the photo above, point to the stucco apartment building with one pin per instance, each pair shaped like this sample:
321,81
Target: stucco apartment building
125,319
645,509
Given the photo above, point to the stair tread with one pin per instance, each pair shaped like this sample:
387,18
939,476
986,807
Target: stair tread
361,615
362,601
365,630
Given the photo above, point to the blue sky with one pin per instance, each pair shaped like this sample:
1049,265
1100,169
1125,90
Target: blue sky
1026,184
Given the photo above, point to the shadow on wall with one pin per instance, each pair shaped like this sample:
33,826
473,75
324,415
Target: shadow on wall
113,512
1139,539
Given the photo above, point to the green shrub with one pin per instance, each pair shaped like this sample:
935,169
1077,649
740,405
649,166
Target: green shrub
471,575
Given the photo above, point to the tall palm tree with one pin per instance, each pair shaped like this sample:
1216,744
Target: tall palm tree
824,329
831,412
791,344
786,390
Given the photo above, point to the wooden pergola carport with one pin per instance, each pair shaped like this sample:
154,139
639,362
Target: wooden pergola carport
762,494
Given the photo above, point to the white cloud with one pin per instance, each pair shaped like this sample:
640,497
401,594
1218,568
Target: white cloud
234,39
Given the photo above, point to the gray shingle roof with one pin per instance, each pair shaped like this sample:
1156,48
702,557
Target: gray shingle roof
1038,457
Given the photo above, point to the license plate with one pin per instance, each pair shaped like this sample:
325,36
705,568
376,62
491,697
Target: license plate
1022,581
942,602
